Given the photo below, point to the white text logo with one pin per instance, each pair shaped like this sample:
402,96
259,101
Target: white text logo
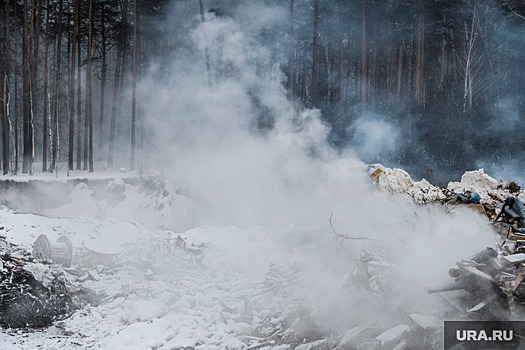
482,335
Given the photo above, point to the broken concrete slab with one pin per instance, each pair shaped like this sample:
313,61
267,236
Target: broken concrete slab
426,321
391,335
351,335
316,345
514,258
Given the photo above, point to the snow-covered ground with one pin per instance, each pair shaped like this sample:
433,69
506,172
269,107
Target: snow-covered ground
288,241
262,286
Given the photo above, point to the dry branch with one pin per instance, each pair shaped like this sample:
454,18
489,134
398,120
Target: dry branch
341,237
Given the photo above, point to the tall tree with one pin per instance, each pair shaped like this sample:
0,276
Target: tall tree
36,28
89,87
55,143
46,122
206,49
343,62
15,125
117,81
134,74
6,124
79,105
314,89
364,75
419,77
27,106
72,72
3,99
103,76
471,58
292,54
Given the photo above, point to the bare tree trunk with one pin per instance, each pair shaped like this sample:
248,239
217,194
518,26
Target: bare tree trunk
3,59
15,124
375,73
27,166
470,61
116,84
291,57
56,120
37,19
89,88
419,82
364,82
89,104
400,68
71,127
46,123
79,106
103,79
134,85
314,93
86,127
6,124
443,65
343,68
206,50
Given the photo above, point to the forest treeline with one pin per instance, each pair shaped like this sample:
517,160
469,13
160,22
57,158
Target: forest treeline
54,54
446,73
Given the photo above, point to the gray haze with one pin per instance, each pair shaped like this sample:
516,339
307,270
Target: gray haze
209,142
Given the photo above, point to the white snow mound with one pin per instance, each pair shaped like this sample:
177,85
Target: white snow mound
398,181
476,180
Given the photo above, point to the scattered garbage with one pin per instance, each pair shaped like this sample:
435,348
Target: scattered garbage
492,279
40,288
59,252
465,198
490,282
99,252
488,285
32,294
372,271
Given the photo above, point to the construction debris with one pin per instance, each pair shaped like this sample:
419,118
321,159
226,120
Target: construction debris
491,280
60,252
372,271
32,295
317,345
421,332
488,285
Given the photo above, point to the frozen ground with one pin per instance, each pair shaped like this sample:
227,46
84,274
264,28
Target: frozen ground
257,286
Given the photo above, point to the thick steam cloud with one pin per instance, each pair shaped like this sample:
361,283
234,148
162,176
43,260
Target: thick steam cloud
247,157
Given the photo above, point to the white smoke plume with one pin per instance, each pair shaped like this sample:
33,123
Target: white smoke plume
247,157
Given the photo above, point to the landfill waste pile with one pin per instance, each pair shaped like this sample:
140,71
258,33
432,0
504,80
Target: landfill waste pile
119,284
32,294
488,285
